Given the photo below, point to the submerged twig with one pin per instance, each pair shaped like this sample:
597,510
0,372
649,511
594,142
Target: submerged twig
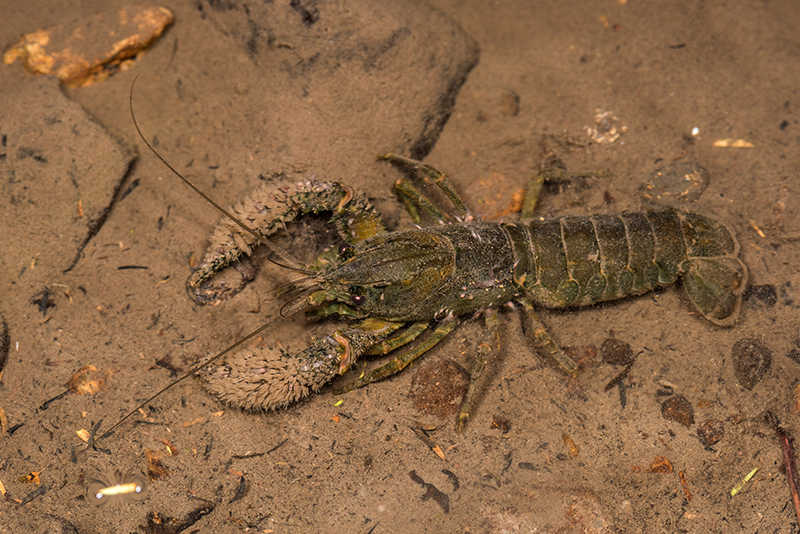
788,459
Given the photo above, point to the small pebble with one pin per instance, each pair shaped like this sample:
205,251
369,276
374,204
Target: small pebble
90,49
88,380
509,103
438,387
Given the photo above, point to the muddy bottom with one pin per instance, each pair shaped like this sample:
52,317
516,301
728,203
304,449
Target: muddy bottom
98,239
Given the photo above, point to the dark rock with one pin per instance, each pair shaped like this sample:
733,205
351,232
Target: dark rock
354,53
59,178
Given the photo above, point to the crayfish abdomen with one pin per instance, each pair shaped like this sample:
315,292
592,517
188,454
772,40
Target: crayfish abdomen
579,261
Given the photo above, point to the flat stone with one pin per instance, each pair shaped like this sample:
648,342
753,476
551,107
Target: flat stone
59,171
396,69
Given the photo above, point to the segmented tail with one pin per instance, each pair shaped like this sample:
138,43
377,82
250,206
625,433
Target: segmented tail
578,261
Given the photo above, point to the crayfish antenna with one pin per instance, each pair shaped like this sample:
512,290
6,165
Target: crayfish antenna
289,262
191,372
292,262
297,304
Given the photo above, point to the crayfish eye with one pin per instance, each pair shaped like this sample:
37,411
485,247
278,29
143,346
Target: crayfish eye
345,251
357,296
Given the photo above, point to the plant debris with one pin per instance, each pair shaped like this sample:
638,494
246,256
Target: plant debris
156,470
685,485
241,490
422,434
432,492
5,345
710,432
751,361
616,352
739,485
788,460
660,465
158,524
678,409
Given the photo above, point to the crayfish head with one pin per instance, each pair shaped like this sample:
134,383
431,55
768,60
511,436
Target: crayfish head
393,276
